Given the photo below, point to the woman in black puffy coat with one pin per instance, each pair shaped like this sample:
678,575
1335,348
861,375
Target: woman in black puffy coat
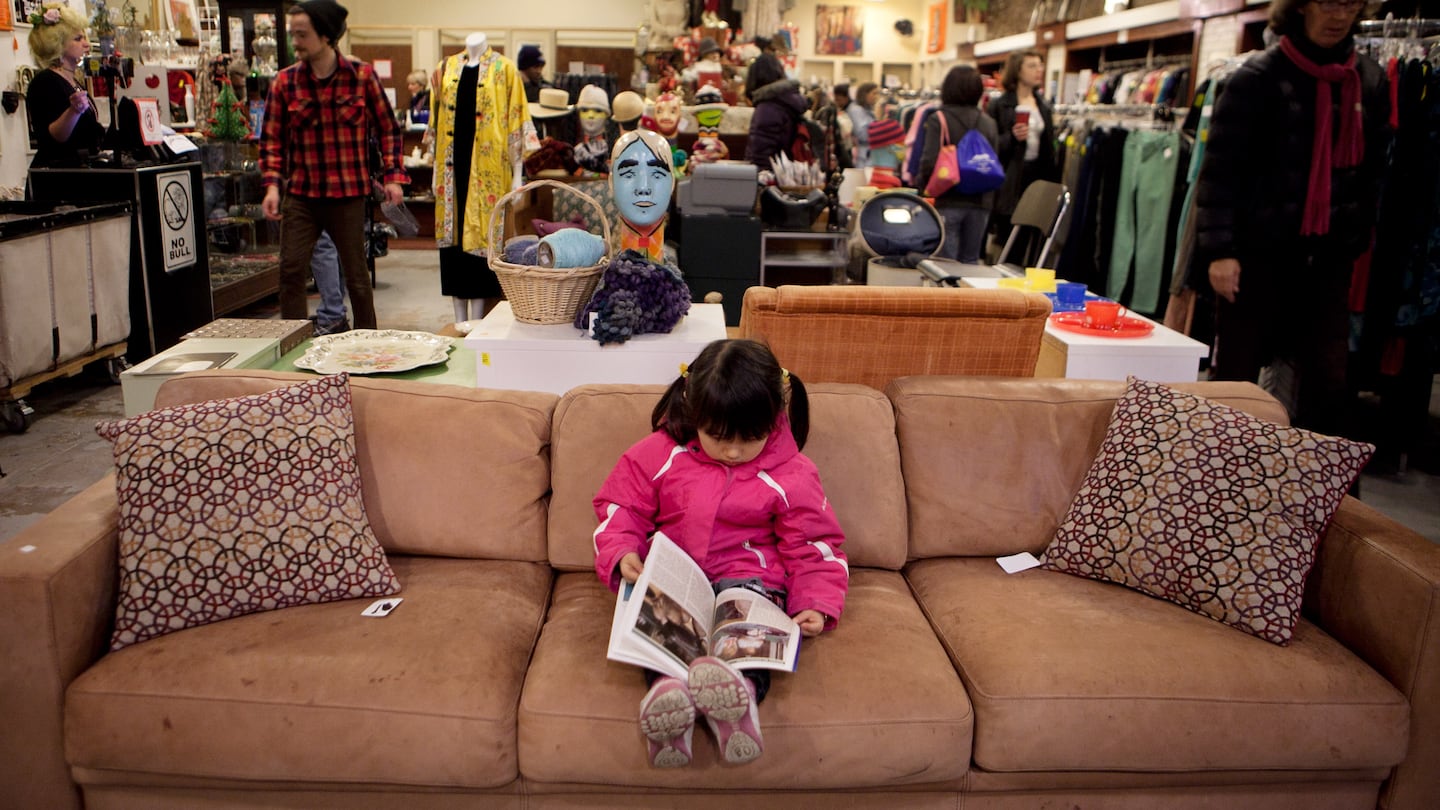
778,109
1286,202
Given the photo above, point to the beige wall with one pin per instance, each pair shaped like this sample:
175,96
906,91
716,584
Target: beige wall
496,13
885,51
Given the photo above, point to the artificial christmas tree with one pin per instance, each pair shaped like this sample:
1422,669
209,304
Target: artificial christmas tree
228,119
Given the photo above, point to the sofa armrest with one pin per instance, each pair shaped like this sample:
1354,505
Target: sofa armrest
1376,588
57,594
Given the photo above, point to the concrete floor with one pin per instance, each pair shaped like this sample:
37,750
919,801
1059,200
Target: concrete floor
61,454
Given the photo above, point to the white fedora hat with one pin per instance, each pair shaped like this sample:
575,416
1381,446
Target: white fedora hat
553,103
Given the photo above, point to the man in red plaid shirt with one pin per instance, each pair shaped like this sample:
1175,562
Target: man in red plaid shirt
321,112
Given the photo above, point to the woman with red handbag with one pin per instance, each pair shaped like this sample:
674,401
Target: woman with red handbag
965,215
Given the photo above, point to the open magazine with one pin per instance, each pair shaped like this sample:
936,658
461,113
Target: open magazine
670,616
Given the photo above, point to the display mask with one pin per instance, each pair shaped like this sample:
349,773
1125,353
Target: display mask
667,115
592,122
642,177
593,107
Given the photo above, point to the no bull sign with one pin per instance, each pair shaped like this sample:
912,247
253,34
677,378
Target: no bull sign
177,221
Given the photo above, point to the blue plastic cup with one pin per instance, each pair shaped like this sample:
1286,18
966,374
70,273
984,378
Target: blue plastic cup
1071,293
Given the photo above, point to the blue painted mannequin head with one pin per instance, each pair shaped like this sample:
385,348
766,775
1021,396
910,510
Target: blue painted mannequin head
642,177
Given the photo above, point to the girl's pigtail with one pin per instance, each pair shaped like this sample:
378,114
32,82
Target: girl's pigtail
667,413
798,405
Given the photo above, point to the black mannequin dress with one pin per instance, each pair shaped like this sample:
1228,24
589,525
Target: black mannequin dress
464,275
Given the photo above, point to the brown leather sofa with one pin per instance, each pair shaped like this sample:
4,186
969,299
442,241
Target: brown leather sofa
872,335
948,683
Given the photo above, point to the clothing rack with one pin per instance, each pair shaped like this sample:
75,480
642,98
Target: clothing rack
1116,110
1155,116
1144,63
1223,66
1412,27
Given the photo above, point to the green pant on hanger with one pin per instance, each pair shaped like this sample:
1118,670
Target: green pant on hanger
1142,214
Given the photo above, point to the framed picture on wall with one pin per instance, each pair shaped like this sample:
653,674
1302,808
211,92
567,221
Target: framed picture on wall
180,17
19,11
839,30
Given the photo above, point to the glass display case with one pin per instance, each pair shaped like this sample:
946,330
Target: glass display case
255,29
244,245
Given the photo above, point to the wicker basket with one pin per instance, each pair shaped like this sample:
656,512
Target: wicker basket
544,294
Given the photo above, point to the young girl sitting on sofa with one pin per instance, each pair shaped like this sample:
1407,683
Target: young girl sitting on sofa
723,476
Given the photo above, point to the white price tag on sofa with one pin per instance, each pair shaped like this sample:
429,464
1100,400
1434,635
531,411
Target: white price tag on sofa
381,608
1016,563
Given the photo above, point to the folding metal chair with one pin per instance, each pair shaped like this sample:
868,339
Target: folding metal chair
1042,206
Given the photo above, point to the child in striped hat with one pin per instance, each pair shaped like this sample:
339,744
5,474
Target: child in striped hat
887,152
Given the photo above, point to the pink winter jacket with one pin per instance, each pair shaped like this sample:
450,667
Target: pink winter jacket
768,518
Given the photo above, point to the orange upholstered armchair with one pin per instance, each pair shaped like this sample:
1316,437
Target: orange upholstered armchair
871,335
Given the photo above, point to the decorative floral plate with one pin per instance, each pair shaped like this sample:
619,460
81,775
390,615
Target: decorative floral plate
374,351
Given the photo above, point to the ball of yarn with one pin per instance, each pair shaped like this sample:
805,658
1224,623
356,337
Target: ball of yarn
636,296
518,248
570,248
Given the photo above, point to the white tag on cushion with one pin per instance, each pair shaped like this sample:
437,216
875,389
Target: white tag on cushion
1016,563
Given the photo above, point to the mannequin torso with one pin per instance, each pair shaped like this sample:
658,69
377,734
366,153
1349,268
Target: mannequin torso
475,46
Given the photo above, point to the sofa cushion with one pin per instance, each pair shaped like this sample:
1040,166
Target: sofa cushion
852,442
322,695
1206,506
1071,674
240,505
446,470
992,465
875,703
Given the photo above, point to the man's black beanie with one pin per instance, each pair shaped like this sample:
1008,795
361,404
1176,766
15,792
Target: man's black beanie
327,17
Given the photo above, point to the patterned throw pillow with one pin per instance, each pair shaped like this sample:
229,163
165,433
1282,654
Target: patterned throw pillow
1206,506
240,505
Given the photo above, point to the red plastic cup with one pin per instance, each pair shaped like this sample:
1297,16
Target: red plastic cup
1022,117
1102,314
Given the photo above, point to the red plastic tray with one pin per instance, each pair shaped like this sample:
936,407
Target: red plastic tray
1126,327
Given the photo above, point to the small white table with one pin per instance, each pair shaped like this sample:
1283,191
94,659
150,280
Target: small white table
555,358
1161,356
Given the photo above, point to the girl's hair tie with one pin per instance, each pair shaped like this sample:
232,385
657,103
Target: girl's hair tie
684,369
784,375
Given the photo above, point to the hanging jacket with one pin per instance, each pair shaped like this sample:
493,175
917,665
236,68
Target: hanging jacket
778,108
1012,152
1256,172
767,519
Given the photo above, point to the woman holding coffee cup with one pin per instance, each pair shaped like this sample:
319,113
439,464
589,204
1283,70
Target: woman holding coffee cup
1027,133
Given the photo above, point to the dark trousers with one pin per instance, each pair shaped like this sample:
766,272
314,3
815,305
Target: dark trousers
302,220
1291,309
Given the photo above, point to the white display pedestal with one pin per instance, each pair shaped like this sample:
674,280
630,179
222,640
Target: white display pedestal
529,357
1162,356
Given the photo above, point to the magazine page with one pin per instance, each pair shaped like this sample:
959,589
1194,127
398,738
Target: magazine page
752,633
663,620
